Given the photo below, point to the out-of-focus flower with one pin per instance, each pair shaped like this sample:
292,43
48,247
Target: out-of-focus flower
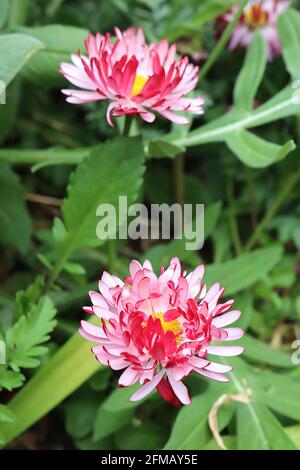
257,16
135,77
160,329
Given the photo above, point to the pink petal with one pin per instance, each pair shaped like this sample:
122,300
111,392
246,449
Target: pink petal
226,319
225,350
179,388
148,387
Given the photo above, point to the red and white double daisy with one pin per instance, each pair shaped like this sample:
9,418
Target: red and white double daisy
159,329
261,15
135,77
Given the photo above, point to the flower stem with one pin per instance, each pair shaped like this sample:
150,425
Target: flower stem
232,218
127,125
111,245
178,170
222,42
278,202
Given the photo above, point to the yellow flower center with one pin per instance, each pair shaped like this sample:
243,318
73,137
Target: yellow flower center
173,325
138,85
255,16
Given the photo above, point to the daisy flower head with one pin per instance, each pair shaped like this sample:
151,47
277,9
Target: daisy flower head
136,78
258,15
160,329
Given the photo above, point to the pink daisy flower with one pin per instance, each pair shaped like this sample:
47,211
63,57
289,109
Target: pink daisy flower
260,16
135,77
160,329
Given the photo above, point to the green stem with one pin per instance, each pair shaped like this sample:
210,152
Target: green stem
178,170
111,245
221,44
66,370
127,125
33,156
232,218
251,193
278,202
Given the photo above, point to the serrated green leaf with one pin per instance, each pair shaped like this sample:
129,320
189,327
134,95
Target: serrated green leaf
255,151
113,169
15,223
30,331
6,416
27,297
59,230
10,379
289,33
251,74
15,50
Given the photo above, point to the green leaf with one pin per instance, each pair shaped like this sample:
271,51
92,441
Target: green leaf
4,9
258,429
27,297
15,50
113,169
15,223
80,414
242,272
145,436
251,74
229,441
74,268
294,434
100,380
10,379
6,416
250,432
260,352
255,151
119,399
161,149
278,107
59,41
191,430
289,33
24,338
280,393
108,422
